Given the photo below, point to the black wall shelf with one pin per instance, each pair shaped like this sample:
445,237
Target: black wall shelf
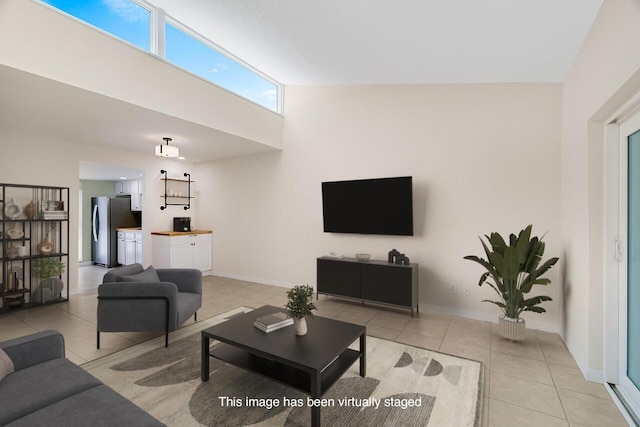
27,210
169,200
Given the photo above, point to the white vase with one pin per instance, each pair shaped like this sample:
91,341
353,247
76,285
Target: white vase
300,324
512,329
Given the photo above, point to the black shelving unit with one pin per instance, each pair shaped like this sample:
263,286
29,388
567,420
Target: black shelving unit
174,200
34,226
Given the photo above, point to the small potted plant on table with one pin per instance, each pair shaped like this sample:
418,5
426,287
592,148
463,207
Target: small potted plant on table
514,269
299,306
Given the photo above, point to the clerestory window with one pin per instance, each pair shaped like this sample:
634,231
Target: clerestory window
133,21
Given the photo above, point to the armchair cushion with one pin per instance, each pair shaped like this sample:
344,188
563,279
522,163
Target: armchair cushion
149,276
186,279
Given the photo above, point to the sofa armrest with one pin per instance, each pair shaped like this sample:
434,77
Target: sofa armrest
138,289
186,279
34,349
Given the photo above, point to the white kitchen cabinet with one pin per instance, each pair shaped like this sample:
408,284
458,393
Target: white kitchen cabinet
121,248
183,250
123,188
136,194
139,249
132,248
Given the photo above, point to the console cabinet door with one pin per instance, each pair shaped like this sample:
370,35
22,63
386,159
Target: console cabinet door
391,285
338,278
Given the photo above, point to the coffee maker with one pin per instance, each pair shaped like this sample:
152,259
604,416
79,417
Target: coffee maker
182,223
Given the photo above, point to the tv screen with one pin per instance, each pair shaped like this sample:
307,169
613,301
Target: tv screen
369,206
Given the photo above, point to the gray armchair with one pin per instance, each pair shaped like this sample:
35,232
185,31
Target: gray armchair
131,299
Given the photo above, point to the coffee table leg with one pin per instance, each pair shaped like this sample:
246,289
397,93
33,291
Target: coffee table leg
316,393
363,355
205,358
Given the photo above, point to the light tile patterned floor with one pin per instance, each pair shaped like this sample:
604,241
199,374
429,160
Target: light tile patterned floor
535,382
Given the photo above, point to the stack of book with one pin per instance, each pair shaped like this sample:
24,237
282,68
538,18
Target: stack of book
272,322
55,215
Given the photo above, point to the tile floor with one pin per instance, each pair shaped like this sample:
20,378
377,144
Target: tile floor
535,382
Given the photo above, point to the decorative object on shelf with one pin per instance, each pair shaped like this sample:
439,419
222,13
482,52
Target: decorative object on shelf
22,251
402,259
30,210
51,286
363,257
46,247
299,306
171,193
14,275
514,269
393,253
12,251
15,232
166,150
12,210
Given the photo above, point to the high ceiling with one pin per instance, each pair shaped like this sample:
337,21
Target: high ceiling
396,42
305,42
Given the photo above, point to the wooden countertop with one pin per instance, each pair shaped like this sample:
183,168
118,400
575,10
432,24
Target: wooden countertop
128,229
181,233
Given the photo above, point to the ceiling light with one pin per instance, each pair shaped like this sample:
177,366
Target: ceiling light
123,177
181,158
166,150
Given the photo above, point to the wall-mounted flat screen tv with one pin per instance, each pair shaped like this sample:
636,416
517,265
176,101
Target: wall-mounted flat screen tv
369,206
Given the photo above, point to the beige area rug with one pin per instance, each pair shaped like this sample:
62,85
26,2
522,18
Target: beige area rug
445,390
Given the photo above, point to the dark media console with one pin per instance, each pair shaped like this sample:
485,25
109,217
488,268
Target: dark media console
372,281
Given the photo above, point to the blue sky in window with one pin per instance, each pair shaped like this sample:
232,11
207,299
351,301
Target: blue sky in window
121,18
131,22
200,59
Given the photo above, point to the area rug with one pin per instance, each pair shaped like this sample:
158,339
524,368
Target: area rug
404,386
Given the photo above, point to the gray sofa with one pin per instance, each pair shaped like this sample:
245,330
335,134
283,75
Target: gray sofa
47,389
131,299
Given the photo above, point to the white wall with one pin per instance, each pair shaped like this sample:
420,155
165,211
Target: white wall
604,75
483,158
34,160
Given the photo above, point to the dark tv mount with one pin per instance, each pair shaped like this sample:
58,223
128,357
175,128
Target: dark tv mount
166,196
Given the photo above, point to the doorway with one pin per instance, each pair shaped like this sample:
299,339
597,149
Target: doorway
104,181
622,312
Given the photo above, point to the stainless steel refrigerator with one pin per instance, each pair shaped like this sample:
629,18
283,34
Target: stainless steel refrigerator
108,213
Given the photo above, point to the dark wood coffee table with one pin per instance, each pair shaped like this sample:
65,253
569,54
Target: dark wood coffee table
311,363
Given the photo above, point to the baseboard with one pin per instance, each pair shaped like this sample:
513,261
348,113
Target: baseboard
594,375
260,280
488,317
85,263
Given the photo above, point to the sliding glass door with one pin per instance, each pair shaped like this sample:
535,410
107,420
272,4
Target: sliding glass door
629,286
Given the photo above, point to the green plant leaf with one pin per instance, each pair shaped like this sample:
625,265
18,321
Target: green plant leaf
499,304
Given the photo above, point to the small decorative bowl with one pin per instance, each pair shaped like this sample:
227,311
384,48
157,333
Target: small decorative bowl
363,257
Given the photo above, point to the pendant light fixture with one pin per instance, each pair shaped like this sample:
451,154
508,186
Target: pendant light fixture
166,150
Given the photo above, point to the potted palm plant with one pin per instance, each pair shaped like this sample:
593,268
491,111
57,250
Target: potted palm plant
300,305
514,268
